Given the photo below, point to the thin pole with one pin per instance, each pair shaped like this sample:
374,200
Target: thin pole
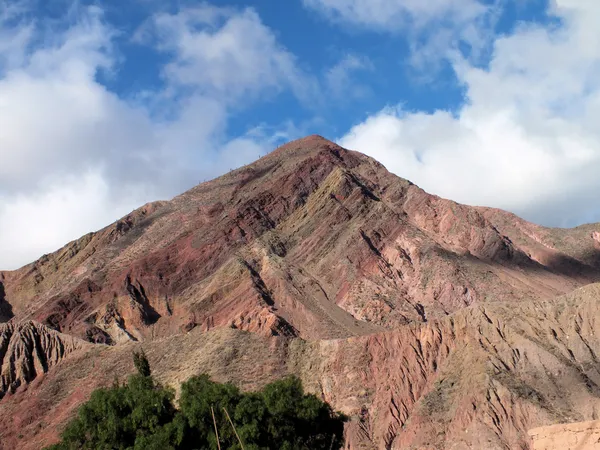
216,431
234,430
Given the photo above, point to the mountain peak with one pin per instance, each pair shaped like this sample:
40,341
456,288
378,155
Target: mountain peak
311,139
313,143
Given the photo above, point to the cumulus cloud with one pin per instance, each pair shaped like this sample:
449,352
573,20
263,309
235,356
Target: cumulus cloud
394,14
339,78
63,210
231,54
76,156
527,138
433,28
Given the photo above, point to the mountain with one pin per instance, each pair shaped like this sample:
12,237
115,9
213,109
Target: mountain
432,324
311,241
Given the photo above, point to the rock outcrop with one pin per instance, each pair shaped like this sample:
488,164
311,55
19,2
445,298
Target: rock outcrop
28,350
5,309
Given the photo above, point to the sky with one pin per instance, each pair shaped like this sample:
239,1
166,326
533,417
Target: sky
106,105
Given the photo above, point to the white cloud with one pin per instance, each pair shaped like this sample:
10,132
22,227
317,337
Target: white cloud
527,138
433,29
66,209
339,78
13,40
230,53
75,156
398,14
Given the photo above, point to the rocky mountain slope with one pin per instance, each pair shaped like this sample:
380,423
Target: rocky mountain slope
432,324
478,379
312,241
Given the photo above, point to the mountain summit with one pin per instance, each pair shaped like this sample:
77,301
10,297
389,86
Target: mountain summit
312,243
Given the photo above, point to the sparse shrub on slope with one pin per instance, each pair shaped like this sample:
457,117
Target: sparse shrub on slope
141,415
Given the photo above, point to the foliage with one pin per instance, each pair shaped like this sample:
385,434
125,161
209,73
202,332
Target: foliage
122,417
141,363
141,415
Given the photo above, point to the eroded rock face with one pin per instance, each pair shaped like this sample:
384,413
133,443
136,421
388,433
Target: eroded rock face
28,350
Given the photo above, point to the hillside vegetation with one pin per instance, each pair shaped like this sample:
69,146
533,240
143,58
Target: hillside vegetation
141,414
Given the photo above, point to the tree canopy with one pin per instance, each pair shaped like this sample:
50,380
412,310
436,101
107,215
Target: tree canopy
141,414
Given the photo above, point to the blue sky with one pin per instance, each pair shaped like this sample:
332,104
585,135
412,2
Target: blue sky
381,73
105,105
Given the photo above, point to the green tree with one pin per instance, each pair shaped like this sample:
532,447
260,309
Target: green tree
280,417
125,417
250,416
140,415
200,397
141,363
297,421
